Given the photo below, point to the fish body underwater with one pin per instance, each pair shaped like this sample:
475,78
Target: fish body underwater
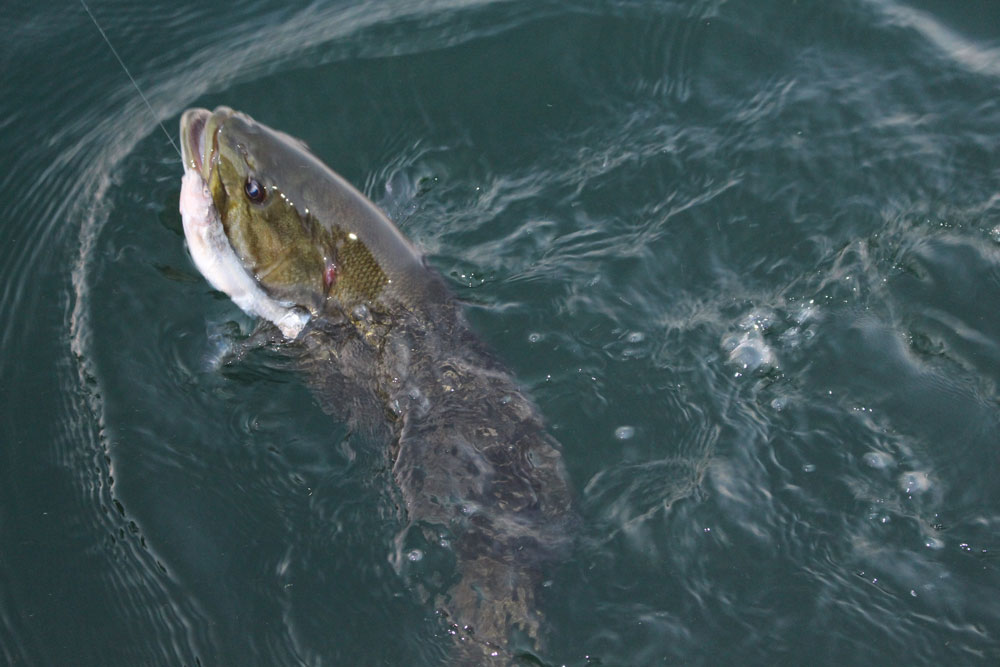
381,338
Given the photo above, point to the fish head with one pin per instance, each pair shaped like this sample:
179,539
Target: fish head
304,235
250,171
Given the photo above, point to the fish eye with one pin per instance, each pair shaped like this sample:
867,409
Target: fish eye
255,192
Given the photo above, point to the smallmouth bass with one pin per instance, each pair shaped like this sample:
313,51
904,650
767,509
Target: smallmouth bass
379,336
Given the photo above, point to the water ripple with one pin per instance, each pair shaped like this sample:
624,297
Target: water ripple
741,255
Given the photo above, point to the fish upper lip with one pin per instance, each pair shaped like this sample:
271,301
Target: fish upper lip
193,123
198,148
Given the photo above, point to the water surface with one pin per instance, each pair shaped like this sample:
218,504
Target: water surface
744,255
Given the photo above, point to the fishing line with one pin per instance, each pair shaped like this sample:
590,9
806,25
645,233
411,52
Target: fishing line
130,77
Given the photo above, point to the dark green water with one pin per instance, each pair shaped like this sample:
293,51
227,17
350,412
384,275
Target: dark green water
744,255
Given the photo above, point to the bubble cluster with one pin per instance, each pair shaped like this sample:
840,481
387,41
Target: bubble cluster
753,346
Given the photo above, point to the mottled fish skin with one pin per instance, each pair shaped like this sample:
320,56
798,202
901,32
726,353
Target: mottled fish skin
386,346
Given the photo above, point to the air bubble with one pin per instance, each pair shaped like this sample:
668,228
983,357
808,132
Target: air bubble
751,353
878,460
415,555
914,482
624,432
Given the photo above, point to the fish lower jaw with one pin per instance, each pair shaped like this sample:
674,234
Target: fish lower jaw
215,258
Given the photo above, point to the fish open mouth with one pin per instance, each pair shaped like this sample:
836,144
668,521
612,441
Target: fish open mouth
198,130
193,134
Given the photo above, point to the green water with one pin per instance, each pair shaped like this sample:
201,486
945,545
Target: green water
745,256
